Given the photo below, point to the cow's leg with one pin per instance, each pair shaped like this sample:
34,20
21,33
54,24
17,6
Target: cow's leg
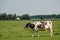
51,32
33,33
38,33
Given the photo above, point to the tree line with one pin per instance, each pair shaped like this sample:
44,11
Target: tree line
5,16
53,16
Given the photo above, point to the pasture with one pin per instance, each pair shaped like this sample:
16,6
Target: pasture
14,30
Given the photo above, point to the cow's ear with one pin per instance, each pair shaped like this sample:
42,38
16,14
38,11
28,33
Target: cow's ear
45,23
42,22
50,22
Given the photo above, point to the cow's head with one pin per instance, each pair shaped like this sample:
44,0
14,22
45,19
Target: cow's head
29,25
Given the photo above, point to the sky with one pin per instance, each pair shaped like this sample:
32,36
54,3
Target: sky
31,7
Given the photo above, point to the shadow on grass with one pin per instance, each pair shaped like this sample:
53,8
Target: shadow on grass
0,35
31,36
57,34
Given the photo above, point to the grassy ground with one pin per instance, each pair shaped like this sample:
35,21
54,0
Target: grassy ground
14,30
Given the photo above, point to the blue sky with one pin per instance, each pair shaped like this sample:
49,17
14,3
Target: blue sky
31,7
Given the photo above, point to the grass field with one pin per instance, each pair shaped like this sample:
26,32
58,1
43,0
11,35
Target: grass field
14,30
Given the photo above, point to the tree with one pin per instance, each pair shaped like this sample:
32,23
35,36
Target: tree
42,18
10,17
14,16
1,16
4,16
26,16
53,15
58,16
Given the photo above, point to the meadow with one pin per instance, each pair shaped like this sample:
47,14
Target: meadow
14,30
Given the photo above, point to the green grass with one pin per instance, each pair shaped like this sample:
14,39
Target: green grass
14,30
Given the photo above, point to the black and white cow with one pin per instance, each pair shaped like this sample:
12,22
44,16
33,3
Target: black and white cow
36,26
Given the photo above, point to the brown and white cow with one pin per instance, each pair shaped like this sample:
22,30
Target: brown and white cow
36,26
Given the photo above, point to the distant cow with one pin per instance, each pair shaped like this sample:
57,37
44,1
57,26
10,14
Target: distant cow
44,25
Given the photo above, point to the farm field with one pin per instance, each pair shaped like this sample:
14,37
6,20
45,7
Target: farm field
14,30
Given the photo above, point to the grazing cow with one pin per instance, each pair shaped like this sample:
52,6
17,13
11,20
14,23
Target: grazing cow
36,26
